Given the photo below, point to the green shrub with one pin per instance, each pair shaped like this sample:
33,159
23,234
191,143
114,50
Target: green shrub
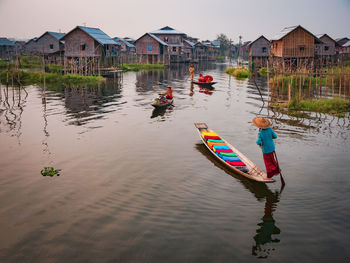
239,73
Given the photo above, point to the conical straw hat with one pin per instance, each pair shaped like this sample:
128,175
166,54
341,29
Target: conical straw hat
261,122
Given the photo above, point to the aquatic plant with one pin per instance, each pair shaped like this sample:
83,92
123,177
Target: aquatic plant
263,71
332,106
50,171
239,73
137,67
220,58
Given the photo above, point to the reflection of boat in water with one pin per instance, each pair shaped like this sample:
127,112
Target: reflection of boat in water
207,85
264,237
160,111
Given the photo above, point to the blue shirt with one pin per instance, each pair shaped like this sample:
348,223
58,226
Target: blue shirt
265,138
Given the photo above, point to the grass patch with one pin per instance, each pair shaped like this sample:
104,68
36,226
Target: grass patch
220,58
263,71
137,67
37,78
335,106
239,73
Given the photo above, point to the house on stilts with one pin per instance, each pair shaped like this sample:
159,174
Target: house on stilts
259,51
88,49
51,47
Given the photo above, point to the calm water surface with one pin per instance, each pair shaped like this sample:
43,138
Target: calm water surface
137,185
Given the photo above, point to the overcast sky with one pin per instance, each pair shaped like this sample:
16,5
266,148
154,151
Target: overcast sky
204,19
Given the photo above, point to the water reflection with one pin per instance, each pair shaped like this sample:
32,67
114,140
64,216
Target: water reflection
12,102
265,234
162,113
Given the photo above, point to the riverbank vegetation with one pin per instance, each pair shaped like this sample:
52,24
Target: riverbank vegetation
239,73
334,106
137,67
37,78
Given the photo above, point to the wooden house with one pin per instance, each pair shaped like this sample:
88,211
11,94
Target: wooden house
189,50
20,47
127,50
245,50
165,45
326,50
30,48
294,47
259,52
87,49
51,47
7,48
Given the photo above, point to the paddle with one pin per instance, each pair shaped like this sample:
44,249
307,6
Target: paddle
282,180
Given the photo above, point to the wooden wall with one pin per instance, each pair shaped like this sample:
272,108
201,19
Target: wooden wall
73,43
256,49
290,46
43,44
144,42
327,42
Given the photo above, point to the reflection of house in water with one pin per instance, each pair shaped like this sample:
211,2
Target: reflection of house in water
85,104
148,80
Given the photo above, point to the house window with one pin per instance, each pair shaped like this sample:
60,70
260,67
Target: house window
264,49
51,46
301,48
326,48
82,47
150,48
174,49
166,39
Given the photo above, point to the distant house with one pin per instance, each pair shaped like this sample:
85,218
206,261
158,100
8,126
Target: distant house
326,50
341,41
245,49
259,51
30,48
189,50
125,46
20,47
87,48
7,48
169,46
151,49
294,46
51,46
346,50
130,40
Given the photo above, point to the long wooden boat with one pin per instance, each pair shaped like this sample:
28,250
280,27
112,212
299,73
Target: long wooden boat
252,171
204,84
163,105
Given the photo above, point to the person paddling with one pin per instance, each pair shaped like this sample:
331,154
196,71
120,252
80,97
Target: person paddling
265,140
191,69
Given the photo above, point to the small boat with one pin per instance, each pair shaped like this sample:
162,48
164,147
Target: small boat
230,156
204,84
163,105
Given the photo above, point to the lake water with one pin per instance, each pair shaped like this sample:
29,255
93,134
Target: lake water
137,185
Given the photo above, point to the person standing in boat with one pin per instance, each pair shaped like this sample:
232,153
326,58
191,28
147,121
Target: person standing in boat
191,69
265,140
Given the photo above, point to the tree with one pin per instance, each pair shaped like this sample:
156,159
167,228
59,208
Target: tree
224,43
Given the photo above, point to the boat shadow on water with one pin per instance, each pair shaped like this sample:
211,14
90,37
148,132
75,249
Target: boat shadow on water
160,112
264,237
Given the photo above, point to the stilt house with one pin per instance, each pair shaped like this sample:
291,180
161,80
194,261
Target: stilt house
259,51
51,47
87,49
30,47
326,50
294,47
7,48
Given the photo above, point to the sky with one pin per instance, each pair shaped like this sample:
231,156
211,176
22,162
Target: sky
204,19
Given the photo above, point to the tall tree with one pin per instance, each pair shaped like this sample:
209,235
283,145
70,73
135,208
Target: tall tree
224,43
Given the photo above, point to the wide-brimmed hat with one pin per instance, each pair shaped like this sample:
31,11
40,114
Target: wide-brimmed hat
261,122
168,87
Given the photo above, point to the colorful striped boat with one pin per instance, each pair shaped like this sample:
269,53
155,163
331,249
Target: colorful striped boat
230,156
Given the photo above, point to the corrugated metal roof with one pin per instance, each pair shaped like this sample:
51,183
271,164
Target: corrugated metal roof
347,44
158,39
56,34
98,35
124,41
189,42
284,32
5,42
216,43
168,31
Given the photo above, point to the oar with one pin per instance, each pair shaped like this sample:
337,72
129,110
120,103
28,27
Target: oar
282,180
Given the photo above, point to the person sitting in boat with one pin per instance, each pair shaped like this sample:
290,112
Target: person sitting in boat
208,79
168,93
265,141
201,79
